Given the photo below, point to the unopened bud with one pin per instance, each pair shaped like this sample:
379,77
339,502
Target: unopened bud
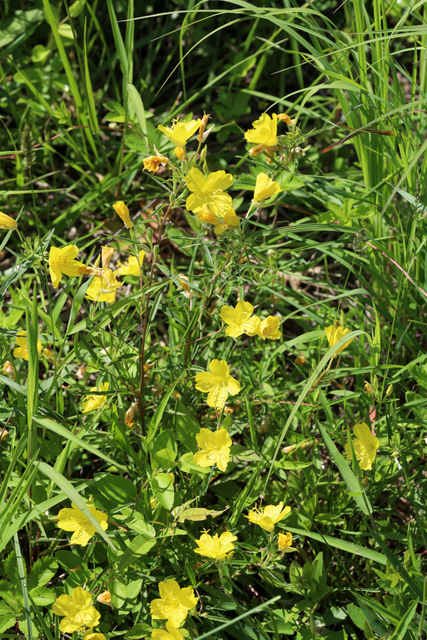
203,154
389,391
368,389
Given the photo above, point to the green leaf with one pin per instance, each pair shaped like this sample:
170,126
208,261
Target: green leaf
156,419
42,596
42,571
138,547
69,435
338,543
186,427
163,490
163,450
347,474
140,630
117,489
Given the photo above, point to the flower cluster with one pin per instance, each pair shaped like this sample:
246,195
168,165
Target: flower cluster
240,320
104,285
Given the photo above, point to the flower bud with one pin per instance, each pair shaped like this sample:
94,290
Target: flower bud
123,212
389,391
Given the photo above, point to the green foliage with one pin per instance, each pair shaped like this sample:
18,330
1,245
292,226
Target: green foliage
340,241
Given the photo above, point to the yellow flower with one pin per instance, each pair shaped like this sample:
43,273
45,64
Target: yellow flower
21,350
180,153
152,163
218,383
264,131
214,448
229,222
215,547
239,319
285,542
365,446
92,403
171,633
132,267
336,333
269,516
74,520
103,287
62,262
174,603
265,187
123,212
6,222
90,635
180,131
209,192
8,369
269,328
77,610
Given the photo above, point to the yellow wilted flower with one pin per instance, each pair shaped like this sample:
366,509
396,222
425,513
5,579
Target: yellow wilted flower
152,163
8,369
92,403
285,542
21,350
62,262
6,222
132,267
265,187
170,633
218,383
365,446
77,610
180,131
268,329
209,192
202,135
174,603
105,598
214,448
74,520
130,415
269,516
215,547
285,118
123,212
239,319
334,334
103,288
